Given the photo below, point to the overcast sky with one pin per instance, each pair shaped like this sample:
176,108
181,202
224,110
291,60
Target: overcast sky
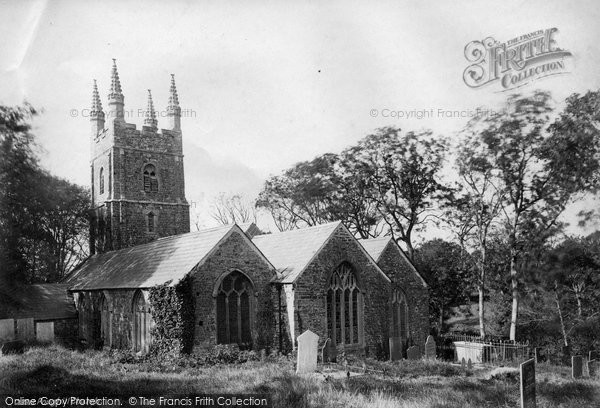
267,84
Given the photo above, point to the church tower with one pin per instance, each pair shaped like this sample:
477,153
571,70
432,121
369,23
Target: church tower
137,184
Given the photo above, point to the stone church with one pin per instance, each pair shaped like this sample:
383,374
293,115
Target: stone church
233,284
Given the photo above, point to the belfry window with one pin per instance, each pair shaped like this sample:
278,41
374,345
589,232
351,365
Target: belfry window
101,180
234,298
343,306
150,179
399,315
151,220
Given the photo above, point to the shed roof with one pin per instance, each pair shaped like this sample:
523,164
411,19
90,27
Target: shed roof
48,301
155,263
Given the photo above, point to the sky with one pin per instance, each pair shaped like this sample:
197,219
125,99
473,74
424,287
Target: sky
266,84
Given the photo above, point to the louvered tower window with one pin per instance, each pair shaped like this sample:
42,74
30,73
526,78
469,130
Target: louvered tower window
150,179
101,180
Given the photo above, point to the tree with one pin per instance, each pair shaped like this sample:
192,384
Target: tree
322,190
19,203
43,219
535,179
447,270
478,208
400,174
233,208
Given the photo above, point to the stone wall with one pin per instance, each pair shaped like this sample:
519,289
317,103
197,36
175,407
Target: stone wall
403,277
235,253
310,295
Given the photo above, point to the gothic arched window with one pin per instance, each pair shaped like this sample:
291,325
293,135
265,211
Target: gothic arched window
234,298
105,321
399,315
151,221
142,321
150,179
101,180
343,306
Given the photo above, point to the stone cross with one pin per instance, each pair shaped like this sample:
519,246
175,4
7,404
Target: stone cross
308,349
430,348
395,348
413,353
576,366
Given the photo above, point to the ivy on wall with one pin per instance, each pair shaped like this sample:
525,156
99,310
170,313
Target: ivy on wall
173,313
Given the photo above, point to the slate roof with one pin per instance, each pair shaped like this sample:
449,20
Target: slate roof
48,301
291,251
143,266
376,246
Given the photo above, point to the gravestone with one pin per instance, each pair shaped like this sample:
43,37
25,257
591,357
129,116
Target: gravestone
263,355
430,348
592,367
25,329
536,354
395,348
325,354
463,364
44,331
308,349
469,365
527,370
364,367
7,330
576,366
413,353
566,355
593,355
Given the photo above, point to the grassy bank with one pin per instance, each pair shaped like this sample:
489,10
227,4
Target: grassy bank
55,371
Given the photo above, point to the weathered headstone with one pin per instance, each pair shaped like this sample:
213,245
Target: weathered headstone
44,331
463,364
325,354
7,330
536,354
527,370
430,348
576,366
413,353
395,348
308,349
592,367
469,365
25,329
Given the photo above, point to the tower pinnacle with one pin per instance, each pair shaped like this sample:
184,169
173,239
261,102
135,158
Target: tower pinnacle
173,109
150,119
96,103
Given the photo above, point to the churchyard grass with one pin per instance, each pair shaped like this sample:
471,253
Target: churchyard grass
419,384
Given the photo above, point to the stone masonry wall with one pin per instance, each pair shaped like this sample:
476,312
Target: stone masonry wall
393,263
235,253
311,294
